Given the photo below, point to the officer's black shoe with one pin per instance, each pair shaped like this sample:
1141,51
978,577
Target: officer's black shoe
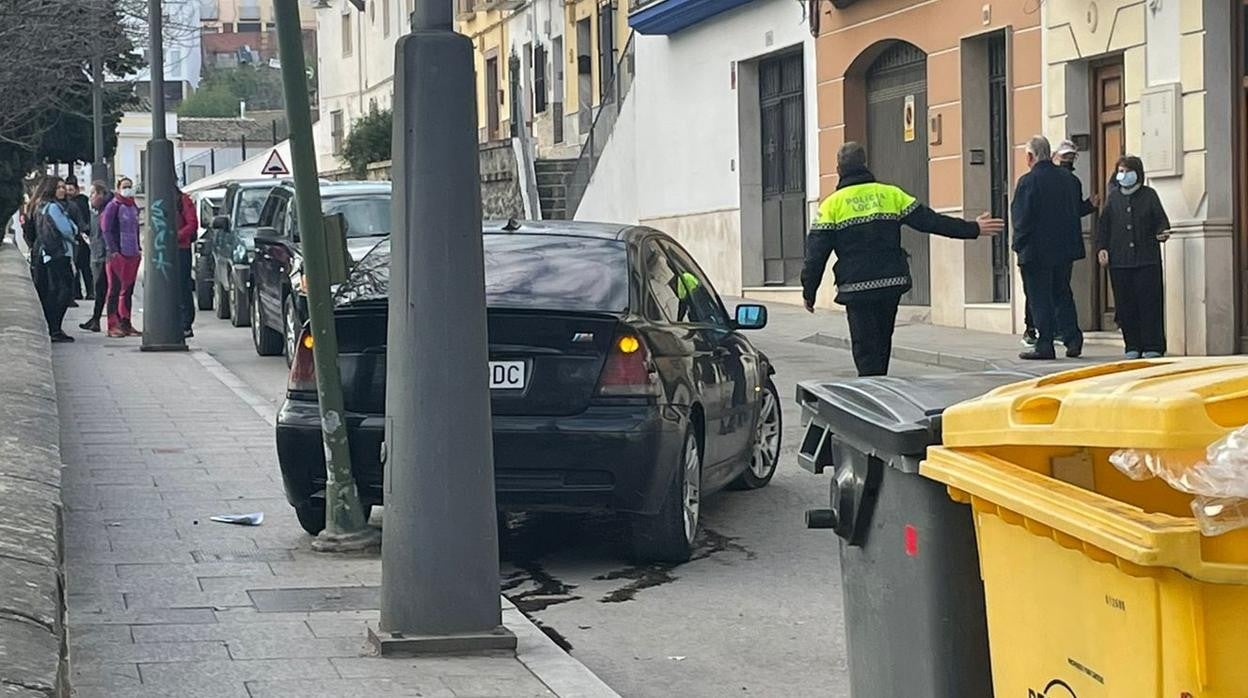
1074,349
1038,354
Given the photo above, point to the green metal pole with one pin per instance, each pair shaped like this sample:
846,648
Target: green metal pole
346,526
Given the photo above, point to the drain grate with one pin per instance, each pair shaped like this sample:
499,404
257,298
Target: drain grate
242,555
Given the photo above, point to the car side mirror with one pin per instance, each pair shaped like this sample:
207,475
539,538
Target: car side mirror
221,223
751,316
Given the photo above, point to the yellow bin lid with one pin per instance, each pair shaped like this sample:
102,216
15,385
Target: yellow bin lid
1181,403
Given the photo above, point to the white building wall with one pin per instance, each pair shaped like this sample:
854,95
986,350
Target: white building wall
612,193
183,52
351,84
686,135
133,133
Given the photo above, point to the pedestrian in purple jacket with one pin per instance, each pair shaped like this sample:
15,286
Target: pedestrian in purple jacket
120,227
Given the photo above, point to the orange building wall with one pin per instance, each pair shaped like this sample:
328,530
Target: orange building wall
849,40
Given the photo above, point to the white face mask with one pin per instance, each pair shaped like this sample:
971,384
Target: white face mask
128,192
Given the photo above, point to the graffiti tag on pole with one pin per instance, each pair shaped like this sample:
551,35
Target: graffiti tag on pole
160,236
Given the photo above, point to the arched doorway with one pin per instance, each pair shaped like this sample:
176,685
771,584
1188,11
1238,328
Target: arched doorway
896,91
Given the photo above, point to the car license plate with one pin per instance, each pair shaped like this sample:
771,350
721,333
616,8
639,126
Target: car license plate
507,375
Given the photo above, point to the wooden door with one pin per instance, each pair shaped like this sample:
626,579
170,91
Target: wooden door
897,96
491,99
1109,134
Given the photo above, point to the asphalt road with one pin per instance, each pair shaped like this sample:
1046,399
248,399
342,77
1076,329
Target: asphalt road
756,613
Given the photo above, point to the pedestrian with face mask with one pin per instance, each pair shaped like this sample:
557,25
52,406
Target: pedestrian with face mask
120,226
1064,158
1048,241
1128,241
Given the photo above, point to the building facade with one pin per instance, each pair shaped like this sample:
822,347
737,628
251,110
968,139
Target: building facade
945,95
245,31
1164,80
714,142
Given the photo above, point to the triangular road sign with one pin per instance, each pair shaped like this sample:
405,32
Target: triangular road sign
274,165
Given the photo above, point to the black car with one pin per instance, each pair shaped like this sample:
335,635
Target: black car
233,247
209,205
618,382
278,297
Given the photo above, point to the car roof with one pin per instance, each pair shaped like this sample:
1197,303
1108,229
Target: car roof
582,229
345,188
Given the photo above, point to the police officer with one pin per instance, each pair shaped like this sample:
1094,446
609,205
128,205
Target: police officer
861,222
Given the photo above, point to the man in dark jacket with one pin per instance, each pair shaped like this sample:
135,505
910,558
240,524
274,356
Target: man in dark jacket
1048,240
79,208
861,222
1064,158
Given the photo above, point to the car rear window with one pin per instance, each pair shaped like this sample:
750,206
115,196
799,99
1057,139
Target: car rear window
365,216
250,204
551,272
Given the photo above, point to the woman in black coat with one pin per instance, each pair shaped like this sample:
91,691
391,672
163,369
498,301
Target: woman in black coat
1132,227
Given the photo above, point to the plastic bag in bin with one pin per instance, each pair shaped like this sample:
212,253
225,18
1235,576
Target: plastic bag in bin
1218,482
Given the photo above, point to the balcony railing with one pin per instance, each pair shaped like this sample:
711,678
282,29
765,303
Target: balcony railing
604,123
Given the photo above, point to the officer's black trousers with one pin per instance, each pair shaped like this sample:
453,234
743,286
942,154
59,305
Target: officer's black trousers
871,333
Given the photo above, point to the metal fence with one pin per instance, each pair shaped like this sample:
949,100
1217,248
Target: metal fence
600,132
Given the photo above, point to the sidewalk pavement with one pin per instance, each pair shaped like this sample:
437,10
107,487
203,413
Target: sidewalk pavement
164,602
953,348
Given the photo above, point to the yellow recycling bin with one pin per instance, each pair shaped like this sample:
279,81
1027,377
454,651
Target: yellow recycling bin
1097,585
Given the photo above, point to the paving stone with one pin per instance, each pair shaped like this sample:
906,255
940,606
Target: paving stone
481,665
405,687
239,670
223,632
103,678
357,646
316,599
142,652
141,618
523,685
165,598
87,634
207,569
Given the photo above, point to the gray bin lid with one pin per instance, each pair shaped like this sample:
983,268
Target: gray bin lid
895,415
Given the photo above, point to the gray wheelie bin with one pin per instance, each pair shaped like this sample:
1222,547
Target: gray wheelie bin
914,601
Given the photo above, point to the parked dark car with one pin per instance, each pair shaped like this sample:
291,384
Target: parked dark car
208,205
233,247
619,382
279,305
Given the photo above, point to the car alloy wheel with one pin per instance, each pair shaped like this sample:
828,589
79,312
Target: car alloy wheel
691,474
292,328
767,439
255,321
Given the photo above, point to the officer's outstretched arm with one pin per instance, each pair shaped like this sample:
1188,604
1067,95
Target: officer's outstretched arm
924,219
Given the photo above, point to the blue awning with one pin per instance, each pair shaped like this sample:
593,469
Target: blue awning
670,16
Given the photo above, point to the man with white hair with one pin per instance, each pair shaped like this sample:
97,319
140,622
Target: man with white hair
1048,241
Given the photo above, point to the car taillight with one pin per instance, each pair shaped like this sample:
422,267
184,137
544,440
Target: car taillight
628,371
302,368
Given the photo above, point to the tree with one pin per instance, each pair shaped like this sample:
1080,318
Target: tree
49,45
209,101
369,141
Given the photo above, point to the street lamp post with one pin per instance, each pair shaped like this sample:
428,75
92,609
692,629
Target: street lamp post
439,573
99,169
162,322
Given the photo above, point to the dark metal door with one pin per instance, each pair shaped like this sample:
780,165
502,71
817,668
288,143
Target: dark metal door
491,98
785,217
606,50
999,164
897,96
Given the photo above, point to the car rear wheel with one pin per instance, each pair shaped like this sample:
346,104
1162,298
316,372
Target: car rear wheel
311,515
268,342
219,301
292,328
203,293
668,536
765,455
240,311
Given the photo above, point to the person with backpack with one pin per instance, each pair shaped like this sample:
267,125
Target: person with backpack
99,199
119,225
188,227
54,240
